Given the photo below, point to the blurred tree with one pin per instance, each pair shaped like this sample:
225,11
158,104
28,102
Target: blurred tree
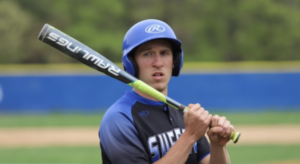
14,23
233,30
236,30
100,27
94,23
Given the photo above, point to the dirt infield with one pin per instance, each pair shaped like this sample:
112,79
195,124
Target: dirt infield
283,162
85,136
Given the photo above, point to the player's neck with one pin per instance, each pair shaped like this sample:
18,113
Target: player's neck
165,92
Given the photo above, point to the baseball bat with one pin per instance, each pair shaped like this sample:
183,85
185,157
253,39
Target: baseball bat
91,58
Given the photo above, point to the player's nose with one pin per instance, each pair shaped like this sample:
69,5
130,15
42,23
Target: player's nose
157,60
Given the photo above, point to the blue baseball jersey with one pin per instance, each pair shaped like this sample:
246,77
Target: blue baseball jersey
139,130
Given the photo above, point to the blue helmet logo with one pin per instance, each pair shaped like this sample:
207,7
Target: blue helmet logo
155,28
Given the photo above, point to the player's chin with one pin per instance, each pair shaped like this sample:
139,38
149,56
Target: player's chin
160,87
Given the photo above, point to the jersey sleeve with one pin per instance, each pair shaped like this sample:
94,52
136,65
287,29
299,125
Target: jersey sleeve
203,148
119,140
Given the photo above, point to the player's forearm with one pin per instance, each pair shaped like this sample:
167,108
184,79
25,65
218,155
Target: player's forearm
219,155
179,152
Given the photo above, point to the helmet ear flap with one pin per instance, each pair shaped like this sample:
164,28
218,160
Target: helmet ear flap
177,63
177,59
131,58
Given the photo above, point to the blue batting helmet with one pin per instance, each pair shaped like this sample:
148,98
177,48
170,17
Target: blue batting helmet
144,31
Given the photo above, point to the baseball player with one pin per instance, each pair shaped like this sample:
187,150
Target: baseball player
140,129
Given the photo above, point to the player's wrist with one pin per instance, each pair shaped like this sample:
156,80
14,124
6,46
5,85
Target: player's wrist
216,145
189,138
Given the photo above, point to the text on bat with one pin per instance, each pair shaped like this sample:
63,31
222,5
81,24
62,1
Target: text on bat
87,55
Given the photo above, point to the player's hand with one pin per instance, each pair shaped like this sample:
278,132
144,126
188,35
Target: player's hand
220,130
196,121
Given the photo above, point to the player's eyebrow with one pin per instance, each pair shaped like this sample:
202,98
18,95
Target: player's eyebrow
142,49
150,47
145,48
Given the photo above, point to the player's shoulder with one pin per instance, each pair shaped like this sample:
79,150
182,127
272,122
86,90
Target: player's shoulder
121,108
123,103
118,115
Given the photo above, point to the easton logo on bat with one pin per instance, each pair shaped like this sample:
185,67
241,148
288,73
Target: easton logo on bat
87,56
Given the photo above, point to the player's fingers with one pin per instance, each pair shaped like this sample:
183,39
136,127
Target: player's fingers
221,121
190,106
225,128
208,119
215,120
229,130
194,107
203,113
214,131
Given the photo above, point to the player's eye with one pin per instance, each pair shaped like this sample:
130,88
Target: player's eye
165,53
146,54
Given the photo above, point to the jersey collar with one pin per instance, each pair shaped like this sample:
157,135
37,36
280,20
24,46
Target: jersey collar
143,99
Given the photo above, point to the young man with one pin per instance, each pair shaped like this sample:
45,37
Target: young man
138,128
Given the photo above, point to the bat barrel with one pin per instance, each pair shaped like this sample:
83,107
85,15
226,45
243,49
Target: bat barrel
82,53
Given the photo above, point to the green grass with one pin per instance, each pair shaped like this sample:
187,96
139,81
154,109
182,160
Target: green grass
263,153
263,118
65,120
78,155
60,120
92,155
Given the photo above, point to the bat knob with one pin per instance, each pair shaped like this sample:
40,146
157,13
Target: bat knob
43,32
235,136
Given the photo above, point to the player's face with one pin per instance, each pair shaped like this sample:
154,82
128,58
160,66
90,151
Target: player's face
155,62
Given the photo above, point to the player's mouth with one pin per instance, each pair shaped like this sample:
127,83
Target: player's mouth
157,75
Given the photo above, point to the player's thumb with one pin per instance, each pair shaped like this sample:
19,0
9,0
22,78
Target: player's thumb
214,132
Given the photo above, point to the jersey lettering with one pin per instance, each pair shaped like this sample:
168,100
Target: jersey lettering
177,133
166,141
170,135
160,144
152,142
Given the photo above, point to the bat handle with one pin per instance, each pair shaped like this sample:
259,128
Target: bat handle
234,136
